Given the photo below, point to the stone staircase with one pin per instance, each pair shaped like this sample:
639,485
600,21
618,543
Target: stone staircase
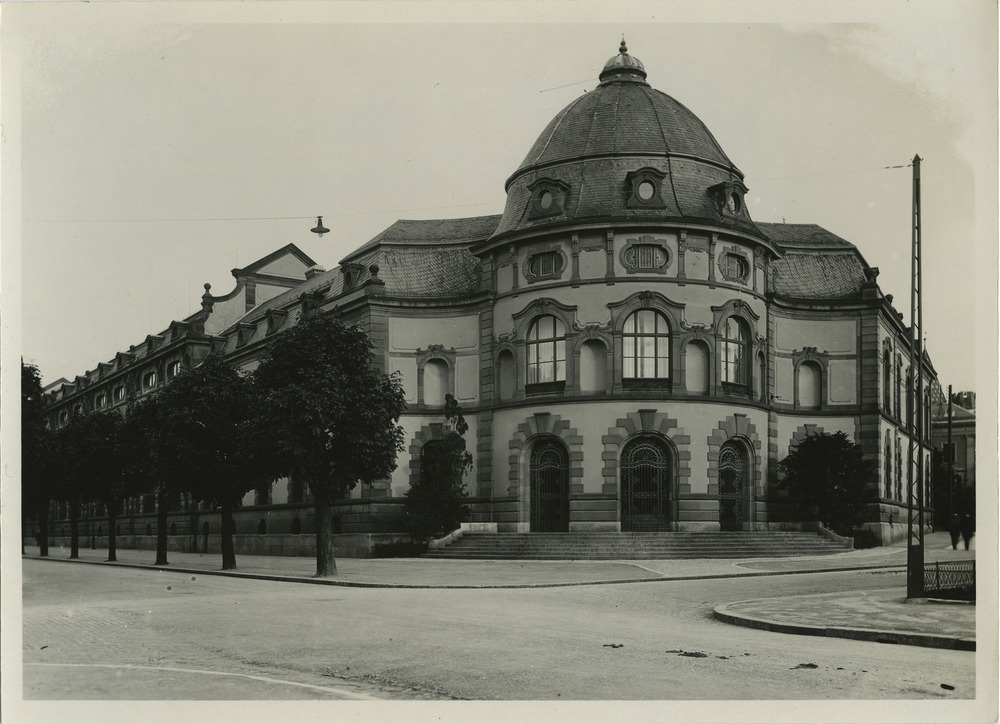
635,546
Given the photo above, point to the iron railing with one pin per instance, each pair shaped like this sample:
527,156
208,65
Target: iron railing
950,580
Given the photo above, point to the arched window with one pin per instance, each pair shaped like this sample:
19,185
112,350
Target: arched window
646,346
810,385
435,382
734,352
886,381
696,367
546,350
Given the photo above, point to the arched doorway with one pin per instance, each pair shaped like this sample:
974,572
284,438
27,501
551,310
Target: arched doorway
549,477
733,470
645,485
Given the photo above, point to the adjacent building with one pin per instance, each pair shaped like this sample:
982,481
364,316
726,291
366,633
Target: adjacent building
631,349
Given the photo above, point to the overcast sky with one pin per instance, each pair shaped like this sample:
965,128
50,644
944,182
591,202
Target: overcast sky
163,144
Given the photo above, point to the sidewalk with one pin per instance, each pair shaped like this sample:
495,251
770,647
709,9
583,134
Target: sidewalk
880,615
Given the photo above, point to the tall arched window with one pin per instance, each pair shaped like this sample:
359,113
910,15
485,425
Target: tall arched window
546,350
734,352
886,381
646,346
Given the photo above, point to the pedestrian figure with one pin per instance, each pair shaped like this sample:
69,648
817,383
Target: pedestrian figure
968,529
955,529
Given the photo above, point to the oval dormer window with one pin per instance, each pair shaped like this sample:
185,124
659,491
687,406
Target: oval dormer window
545,265
548,198
646,190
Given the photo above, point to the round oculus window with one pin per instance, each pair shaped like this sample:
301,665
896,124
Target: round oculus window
546,200
646,190
733,203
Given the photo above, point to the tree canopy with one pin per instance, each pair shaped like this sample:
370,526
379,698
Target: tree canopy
201,436
827,476
331,414
434,504
36,453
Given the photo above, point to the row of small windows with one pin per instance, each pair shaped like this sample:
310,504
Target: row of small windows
635,258
118,394
645,349
643,190
892,394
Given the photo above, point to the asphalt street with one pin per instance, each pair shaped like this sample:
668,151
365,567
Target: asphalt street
94,632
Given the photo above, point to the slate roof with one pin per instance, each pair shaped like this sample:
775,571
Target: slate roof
623,116
622,126
802,236
818,275
424,259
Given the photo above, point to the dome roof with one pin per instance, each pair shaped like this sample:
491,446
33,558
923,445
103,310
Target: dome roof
623,115
594,153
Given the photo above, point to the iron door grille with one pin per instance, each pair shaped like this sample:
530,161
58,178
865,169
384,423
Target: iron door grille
730,488
549,488
645,479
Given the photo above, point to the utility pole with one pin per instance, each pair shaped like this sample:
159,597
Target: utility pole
915,488
951,465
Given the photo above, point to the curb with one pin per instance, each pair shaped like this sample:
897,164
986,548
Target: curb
905,638
358,584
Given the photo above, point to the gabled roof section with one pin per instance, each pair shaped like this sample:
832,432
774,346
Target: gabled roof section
261,265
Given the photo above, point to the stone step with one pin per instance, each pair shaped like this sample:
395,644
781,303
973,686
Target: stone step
635,546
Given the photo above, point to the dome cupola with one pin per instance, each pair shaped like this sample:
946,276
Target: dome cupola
624,152
623,67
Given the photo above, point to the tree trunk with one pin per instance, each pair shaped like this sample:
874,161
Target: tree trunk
193,525
43,528
162,508
228,527
74,529
326,564
112,532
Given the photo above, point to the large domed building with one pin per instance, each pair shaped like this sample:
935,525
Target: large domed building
632,351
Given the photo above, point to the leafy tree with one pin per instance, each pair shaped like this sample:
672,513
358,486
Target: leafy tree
36,455
96,459
828,477
434,504
142,455
200,431
65,485
331,415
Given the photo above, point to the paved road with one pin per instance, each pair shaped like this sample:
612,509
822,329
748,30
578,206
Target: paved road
168,635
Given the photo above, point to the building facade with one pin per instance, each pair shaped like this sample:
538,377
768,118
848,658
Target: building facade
632,351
